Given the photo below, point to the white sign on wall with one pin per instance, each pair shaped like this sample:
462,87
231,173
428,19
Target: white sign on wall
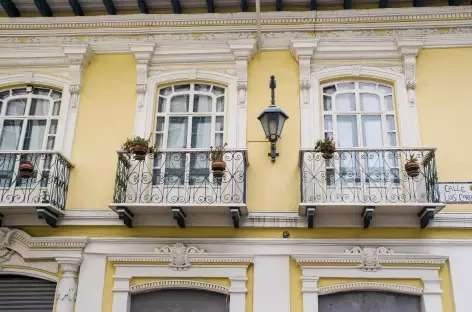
455,192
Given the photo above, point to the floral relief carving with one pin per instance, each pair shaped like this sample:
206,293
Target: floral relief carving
179,255
370,256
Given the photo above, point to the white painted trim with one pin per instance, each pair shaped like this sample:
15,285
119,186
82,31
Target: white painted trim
375,286
91,283
28,272
178,284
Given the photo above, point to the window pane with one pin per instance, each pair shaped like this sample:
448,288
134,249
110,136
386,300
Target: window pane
201,132
392,139
177,137
347,131
4,94
16,107
329,90
160,124
202,87
20,91
50,145
329,135
220,104
346,86
389,103
56,95
327,103
370,102
199,168
179,104
390,123
328,123
218,91
372,131
39,107
175,169
56,108
53,127
345,102
219,124
34,135
10,134
181,88
384,89
161,107
41,91
165,91
159,137
202,103
219,139
367,86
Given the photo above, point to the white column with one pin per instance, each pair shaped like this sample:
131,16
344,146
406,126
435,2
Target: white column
91,282
431,300
271,284
310,293
237,294
67,286
121,296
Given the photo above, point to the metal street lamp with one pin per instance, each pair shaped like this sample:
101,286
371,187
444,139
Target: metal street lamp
272,120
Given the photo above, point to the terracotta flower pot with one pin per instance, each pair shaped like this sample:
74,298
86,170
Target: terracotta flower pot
140,152
218,167
26,169
412,169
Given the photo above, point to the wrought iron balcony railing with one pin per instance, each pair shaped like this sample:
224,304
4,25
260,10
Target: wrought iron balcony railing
361,176
34,178
178,177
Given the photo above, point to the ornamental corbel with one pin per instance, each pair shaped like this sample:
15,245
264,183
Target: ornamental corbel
409,49
79,56
243,51
143,53
302,51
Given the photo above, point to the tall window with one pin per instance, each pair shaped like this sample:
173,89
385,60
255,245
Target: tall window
29,118
361,115
189,116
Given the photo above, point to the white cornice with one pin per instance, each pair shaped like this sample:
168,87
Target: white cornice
357,258
375,286
173,284
193,258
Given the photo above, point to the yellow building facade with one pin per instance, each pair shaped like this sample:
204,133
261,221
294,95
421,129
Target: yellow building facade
95,228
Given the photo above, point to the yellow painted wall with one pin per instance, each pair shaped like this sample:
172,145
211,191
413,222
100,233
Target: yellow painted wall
273,186
445,110
105,119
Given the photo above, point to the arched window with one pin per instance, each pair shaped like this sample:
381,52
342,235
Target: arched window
29,118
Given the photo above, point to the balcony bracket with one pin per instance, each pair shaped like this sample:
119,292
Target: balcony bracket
126,216
179,215
367,214
426,215
236,216
47,215
310,214
1,219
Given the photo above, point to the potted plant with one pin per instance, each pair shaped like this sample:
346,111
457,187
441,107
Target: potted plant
26,169
139,147
412,167
327,147
218,165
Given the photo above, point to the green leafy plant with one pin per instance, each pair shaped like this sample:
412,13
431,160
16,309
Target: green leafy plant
325,146
412,158
217,153
131,143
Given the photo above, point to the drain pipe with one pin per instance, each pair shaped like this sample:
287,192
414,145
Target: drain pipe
258,23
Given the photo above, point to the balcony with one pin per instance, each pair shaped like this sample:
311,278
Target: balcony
357,182
33,182
180,185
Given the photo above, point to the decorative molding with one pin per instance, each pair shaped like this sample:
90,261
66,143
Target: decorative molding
186,284
369,256
13,259
302,51
67,286
179,255
243,51
359,286
409,48
207,258
143,53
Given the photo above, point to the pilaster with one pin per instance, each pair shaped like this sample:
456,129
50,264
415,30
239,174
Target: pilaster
79,56
67,286
431,300
310,293
238,292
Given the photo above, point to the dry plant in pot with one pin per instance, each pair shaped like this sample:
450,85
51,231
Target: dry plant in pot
218,165
412,166
327,147
139,147
26,169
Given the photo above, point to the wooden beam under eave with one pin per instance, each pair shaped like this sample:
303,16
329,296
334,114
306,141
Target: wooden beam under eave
244,6
176,7
383,4
110,7
418,3
312,5
10,8
143,6
455,2
43,8
210,6
347,4
76,8
278,5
